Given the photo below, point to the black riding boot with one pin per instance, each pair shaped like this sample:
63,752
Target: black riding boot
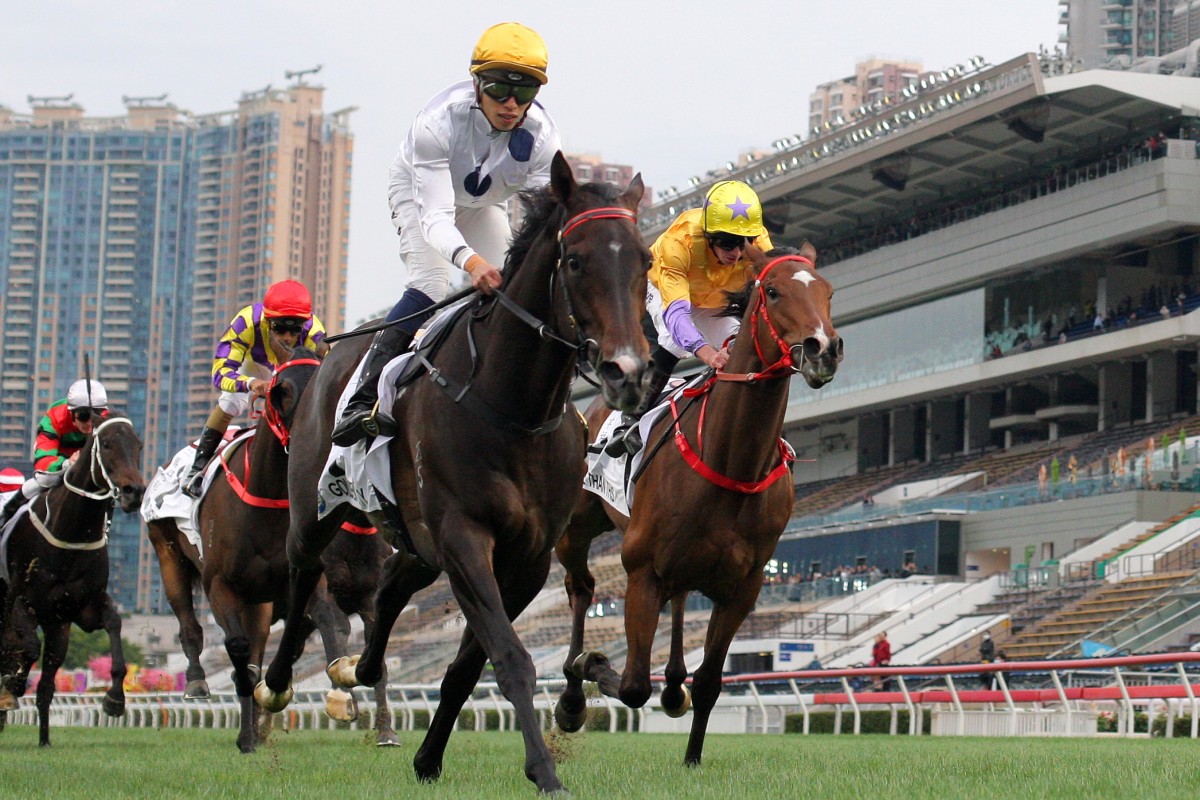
625,438
360,418
209,439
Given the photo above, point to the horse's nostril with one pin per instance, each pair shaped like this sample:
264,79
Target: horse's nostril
611,372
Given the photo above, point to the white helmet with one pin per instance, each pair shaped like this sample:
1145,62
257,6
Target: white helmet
78,397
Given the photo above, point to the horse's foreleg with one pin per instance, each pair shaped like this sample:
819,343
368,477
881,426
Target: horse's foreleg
675,698
457,685
20,649
403,576
114,698
227,608
468,550
54,651
706,683
642,603
178,579
257,621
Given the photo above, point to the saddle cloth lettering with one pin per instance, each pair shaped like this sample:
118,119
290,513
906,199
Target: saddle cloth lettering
608,476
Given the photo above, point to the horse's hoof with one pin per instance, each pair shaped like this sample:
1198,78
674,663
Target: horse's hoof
8,702
685,703
586,662
341,705
387,739
272,701
196,690
341,671
567,721
113,707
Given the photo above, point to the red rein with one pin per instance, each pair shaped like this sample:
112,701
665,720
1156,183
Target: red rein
781,368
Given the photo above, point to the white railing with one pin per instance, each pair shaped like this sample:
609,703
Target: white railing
1074,693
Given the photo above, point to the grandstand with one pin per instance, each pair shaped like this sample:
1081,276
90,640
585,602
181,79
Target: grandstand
1015,252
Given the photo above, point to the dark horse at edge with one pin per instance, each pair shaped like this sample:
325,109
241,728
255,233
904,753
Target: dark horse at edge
58,569
483,470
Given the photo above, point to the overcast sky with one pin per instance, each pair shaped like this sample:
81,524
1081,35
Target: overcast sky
674,89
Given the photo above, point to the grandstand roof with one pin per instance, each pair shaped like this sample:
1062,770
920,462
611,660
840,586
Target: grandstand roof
975,136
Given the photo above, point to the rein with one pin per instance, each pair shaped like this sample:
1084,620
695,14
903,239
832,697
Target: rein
781,368
460,392
42,524
274,421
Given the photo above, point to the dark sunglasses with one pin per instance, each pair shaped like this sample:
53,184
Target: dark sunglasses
727,241
85,414
287,325
502,91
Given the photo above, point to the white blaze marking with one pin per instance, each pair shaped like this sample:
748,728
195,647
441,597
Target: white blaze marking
616,249
804,276
821,336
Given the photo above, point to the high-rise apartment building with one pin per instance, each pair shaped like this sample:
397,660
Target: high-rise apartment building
875,80
1100,32
134,239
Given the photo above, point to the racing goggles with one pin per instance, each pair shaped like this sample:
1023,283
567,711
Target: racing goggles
85,414
727,241
500,91
287,325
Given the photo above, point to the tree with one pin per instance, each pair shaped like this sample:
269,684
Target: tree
83,647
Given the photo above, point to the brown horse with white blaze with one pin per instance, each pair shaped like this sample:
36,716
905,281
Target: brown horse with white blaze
709,510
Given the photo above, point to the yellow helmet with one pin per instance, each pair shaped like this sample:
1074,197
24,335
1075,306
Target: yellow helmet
511,47
733,207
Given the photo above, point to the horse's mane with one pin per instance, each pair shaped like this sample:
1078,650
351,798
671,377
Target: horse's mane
300,351
540,207
737,302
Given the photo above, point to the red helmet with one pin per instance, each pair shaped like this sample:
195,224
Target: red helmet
11,479
287,299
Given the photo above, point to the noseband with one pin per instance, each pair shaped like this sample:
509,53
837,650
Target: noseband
94,463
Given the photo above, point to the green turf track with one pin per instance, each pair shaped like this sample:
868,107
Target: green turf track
332,765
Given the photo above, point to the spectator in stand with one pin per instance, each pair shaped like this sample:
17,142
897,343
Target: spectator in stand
881,656
987,654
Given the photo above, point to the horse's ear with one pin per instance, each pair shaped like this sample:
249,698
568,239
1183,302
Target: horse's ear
809,252
632,196
562,180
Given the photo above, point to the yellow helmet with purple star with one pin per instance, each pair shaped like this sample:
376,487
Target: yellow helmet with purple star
732,207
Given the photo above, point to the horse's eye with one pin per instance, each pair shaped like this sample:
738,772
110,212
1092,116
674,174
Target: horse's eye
573,263
649,265
771,293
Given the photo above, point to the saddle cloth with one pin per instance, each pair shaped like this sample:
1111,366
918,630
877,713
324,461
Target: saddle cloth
164,497
7,532
608,477
354,474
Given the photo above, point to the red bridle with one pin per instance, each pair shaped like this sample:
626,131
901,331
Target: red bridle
783,367
274,421
608,212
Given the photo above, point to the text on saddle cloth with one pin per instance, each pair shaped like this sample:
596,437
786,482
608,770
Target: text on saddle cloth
353,474
608,477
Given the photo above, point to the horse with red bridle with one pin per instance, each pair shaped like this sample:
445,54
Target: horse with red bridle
243,519
711,501
487,458
57,558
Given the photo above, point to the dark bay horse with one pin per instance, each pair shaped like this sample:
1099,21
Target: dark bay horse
711,504
243,522
484,470
58,568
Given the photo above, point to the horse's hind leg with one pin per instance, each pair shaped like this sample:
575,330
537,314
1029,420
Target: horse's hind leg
385,732
54,652
706,683
675,697
571,710
178,579
227,608
403,576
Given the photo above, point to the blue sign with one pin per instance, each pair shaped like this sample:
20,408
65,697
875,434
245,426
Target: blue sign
795,647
